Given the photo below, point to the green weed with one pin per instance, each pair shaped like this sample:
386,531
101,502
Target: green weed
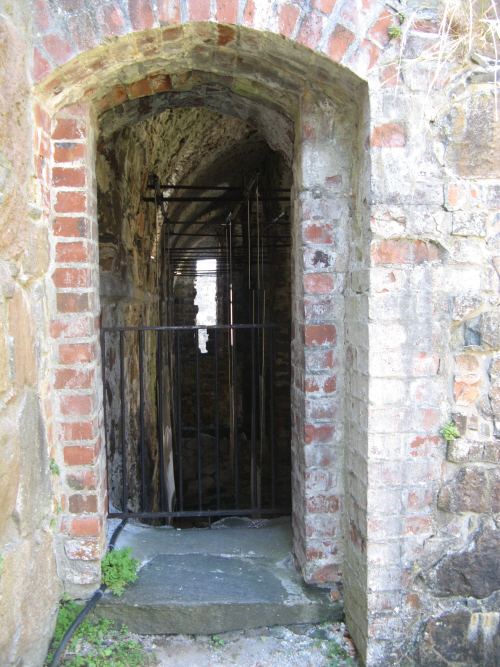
217,642
96,645
54,468
119,569
449,431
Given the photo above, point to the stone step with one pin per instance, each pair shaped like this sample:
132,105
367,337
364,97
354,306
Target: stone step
207,582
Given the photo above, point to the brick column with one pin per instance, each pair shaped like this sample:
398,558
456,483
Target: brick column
320,259
76,387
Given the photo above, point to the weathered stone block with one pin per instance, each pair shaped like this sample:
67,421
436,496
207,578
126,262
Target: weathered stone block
466,492
489,328
469,223
464,305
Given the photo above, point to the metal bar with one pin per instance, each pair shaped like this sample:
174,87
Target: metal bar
141,418
180,515
254,423
271,401
198,424
160,421
235,409
179,416
122,406
217,452
201,326
220,200
210,187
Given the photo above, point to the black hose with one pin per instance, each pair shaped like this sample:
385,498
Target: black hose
88,607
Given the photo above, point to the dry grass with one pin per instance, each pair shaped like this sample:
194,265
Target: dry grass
467,27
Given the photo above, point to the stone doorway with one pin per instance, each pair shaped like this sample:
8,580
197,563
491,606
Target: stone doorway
313,120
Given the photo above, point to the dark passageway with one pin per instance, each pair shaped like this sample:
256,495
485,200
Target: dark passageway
194,229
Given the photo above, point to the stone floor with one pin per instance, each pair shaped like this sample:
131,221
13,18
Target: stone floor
233,577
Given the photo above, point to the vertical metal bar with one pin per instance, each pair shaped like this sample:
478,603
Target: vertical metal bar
141,418
235,417
254,424
122,406
179,416
103,374
159,372
217,452
198,425
271,400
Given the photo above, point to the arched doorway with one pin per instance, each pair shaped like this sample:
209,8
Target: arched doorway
312,114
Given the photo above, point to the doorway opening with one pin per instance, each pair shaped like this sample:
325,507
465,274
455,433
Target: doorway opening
194,223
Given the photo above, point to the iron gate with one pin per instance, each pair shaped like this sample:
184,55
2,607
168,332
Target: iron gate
197,435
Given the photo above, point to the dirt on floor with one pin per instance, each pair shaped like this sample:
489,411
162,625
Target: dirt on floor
324,645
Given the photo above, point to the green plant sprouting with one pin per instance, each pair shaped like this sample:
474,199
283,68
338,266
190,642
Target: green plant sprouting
336,655
1,561
449,431
217,642
394,31
54,468
96,645
119,569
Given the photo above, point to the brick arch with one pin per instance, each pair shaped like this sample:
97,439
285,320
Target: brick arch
351,32
298,99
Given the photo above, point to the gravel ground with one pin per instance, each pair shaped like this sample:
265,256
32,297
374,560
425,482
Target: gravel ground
297,646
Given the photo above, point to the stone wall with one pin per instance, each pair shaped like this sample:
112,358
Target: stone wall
29,583
394,280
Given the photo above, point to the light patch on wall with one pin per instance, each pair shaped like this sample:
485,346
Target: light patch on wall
206,298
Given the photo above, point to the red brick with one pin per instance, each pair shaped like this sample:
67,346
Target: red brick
326,574
419,499
76,405
79,504
322,504
226,11
110,18
249,14
318,434
74,251
70,227
76,431
389,135
320,334
199,10
225,35
350,12
453,194
141,14
324,6
311,30
42,16
288,15
169,11
140,88
372,52
424,364
417,525
380,31
82,31
69,129
160,82
390,77
318,283
68,177
85,527
72,303
69,378
73,328
318,233
425,446
58,48
466,391
76,455
70,277
339,41
403,251
75,353
82,479
118,95
69,152
70,202
86,550
41,66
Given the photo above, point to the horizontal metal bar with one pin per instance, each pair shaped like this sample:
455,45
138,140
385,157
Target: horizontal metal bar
209,187
195,327
181,515
212,199
225,222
